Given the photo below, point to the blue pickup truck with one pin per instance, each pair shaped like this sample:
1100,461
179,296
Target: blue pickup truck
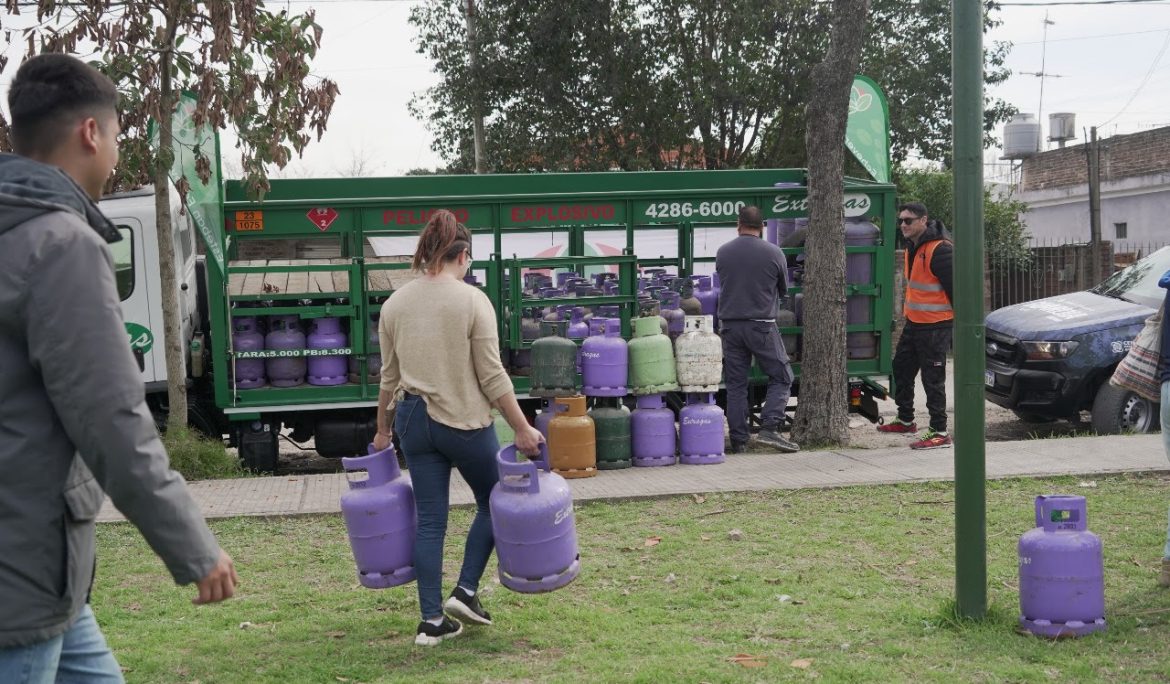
1052,358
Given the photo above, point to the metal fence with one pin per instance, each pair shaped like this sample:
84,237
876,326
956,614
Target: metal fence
1056,267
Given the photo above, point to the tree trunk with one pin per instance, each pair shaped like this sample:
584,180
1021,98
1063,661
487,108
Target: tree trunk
822,415
173,342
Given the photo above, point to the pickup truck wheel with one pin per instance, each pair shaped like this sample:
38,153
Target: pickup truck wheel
1032,418
1118,410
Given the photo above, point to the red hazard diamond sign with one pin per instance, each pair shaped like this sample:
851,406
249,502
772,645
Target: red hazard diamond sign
322,217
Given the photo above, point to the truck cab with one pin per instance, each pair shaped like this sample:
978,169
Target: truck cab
1052,358
136,262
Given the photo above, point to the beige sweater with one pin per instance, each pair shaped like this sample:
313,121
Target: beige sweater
439,340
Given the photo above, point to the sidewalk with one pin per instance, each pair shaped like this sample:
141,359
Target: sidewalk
304,494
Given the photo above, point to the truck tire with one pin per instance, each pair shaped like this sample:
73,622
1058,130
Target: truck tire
1119,410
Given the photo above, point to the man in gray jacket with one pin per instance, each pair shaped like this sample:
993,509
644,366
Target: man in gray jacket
753,277
73,418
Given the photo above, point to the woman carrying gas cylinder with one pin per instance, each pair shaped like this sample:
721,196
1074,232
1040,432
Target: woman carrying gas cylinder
441,366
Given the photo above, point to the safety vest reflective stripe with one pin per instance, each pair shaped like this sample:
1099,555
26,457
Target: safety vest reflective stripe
926,301
928,307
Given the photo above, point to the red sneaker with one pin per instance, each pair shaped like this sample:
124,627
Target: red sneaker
897,426
933,440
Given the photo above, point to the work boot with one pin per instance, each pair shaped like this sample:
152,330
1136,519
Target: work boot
898,425
737,448
770,435
1164,576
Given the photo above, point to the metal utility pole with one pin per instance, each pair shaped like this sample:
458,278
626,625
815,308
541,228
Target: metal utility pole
476,83
970,454
1094,153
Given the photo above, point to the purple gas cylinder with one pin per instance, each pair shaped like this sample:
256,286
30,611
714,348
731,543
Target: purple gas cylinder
700,431
284,334
578,328
544,417
373,355
325,333
673,314
707,296
716,289
380,520
532,521
859,232
246,337
652,432
605,359
1062,574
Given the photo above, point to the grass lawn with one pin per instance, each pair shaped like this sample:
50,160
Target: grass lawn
841,585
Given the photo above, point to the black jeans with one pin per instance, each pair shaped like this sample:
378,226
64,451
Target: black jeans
741,341
922,349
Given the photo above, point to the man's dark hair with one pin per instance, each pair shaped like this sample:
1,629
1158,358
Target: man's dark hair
750,217
916,208
49,93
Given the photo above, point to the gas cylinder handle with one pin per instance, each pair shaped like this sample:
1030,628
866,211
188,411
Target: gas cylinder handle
558,407
510,468
1061,512
380,466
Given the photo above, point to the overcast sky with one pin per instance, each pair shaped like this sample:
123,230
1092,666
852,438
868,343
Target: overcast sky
1111,58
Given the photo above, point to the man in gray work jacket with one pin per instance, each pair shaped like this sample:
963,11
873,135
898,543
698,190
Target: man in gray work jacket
73,417
753,277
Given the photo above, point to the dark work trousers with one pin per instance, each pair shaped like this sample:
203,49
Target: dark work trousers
741,341
922,349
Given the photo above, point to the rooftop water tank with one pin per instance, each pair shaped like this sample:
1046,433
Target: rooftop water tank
1021,137
1062,127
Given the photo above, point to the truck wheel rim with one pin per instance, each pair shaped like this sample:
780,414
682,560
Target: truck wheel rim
1135,414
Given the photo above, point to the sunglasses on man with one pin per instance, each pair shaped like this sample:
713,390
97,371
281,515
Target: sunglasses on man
907,219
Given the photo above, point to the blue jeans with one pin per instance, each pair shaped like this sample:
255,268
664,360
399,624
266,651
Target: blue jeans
1165,416
79,655
431,450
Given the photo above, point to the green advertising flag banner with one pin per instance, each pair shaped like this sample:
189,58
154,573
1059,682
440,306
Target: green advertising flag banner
204,200
867,133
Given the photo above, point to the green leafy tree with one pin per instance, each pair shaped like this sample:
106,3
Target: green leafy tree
653,84
248,69
1005,233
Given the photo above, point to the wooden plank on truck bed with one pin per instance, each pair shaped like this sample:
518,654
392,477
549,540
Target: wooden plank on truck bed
298,281
277,282
254,282
236,280
340,278
319,281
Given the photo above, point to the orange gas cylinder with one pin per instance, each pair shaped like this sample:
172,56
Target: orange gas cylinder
572,440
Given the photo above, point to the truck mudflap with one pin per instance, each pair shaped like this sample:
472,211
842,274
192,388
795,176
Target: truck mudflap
863,397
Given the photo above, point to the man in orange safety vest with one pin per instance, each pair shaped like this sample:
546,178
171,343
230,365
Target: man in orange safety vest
926,336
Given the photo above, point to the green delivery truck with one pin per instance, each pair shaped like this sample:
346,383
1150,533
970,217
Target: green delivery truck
344,247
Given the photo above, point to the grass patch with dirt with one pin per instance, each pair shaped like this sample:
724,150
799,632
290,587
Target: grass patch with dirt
845,585
198,457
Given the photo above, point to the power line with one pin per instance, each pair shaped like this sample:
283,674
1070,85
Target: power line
1091,37
1145,80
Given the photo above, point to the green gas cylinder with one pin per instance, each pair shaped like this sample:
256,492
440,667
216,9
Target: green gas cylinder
652,368
611,422
554,362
